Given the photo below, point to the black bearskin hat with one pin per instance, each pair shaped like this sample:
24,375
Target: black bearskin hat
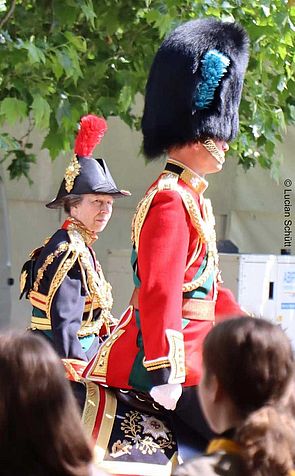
194,87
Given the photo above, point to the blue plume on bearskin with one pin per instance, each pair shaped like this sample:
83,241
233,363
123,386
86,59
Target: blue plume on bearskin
192,93
213,67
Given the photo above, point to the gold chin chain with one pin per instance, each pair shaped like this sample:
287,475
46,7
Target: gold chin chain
210,145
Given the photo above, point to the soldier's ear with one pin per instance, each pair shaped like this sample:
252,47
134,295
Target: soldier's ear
196,146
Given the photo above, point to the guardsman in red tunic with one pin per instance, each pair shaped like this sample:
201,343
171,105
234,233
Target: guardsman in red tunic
191,113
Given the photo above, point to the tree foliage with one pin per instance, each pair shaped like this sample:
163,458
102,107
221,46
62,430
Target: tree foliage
62,59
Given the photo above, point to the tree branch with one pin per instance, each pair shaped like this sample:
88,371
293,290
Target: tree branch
8,14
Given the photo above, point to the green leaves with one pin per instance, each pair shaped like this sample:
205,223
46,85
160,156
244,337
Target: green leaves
20,165
35,54
60,60
125,98
13,110
41,112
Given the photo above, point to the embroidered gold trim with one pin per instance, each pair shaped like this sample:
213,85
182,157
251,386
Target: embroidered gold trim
88,236
91,408
40,323
204,226
99,372
72,171
74,369
140,215
160,366
44,324
160,363
87,330
176,356
100,291
191,178
49,259
98,369
97,288
196,183
40,300
63,269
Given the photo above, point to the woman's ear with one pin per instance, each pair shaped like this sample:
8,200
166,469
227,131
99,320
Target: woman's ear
73,211
213,388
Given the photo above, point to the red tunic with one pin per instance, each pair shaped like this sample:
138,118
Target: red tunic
159,340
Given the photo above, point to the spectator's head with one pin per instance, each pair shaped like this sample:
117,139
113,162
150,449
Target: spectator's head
40,426
248,370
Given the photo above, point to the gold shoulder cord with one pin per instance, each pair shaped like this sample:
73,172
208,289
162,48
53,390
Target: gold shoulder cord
66,264
204,227
99,290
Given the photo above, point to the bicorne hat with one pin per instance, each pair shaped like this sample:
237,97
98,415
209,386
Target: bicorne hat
84,173
194,87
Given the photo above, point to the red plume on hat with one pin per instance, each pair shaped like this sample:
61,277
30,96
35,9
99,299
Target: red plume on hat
92,130
86,174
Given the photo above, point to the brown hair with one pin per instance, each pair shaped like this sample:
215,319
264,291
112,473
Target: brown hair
40,427
253,361
70,201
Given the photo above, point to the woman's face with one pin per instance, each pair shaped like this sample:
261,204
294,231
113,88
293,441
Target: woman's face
94,211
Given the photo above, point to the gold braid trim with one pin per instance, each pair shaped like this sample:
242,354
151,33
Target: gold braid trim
140,215
204,226
99,290
63,269
50,258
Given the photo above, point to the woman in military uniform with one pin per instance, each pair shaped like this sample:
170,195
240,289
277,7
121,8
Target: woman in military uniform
63,280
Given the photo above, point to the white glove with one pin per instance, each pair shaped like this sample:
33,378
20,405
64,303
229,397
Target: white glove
167,395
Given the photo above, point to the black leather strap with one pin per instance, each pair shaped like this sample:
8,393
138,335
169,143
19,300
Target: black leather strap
177,169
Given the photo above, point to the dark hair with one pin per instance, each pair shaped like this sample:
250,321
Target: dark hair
253,361
40,426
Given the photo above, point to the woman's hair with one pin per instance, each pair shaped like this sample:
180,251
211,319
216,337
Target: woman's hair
40,426
253,361
70,201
